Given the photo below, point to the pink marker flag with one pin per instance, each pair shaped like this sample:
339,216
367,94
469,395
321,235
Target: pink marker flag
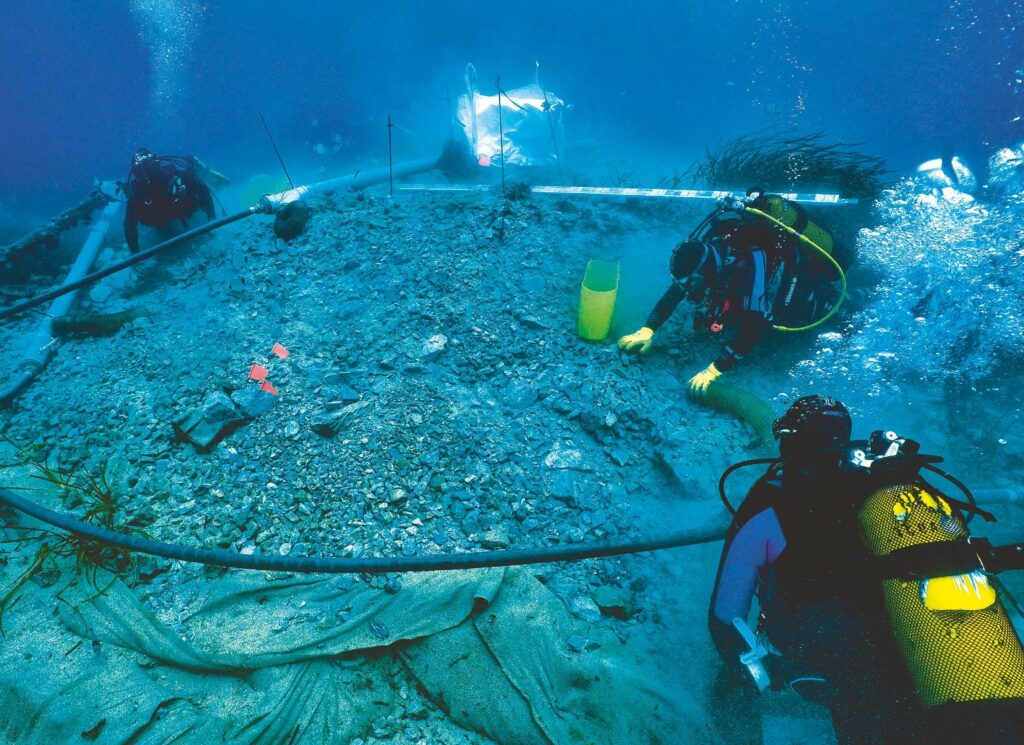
279,350
257,372
265,386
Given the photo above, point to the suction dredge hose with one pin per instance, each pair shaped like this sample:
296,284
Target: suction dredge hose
741,404
372,565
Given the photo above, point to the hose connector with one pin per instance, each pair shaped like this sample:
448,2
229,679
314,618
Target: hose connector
271,203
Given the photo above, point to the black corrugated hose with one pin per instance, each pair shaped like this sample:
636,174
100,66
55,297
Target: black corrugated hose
371,565
130,261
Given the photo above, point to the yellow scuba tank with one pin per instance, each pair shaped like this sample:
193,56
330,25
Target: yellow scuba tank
814,251
793,216
954,632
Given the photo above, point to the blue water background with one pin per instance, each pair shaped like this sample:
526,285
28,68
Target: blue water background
86,83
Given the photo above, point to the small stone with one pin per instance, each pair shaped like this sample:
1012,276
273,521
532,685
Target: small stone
586,609
578,644
520,397
416,710
621,455
433,348
218,408
348,395
494,538
252,401
563,486
286,548
614,602
562,406
563,456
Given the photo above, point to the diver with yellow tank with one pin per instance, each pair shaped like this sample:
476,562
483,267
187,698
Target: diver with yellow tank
874,599
752,265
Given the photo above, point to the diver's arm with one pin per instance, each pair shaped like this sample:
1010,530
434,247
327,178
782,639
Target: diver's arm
756,544
204,197
217,178
640,341
131,227
664,307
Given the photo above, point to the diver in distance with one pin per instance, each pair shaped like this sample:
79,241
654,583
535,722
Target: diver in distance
750,265
848,551
163,189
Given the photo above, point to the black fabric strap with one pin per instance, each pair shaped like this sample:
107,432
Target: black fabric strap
948,558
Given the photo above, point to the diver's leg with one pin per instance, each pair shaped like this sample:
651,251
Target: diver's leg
872,701
995,722
736,708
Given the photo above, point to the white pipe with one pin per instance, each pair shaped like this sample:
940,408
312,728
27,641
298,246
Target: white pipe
41,343
614,191
361,179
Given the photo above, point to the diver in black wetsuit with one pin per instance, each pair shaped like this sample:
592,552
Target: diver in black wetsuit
163,189
732,272
798,543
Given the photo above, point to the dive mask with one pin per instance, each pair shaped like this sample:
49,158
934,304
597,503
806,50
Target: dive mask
688,267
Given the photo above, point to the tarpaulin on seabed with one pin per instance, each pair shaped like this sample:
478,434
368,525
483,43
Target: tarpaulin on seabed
276,658
531,120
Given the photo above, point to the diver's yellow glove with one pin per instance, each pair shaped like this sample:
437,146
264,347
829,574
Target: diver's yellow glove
699,383
639,342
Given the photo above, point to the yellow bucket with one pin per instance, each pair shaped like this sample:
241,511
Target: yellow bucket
597,299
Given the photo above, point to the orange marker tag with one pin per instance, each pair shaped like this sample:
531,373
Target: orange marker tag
279,351
257,372
265,386
484,161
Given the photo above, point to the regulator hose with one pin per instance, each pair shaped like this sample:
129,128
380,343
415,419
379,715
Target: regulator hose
371,565
771,462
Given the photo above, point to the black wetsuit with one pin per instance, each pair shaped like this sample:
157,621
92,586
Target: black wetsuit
748,256
796,543
161,190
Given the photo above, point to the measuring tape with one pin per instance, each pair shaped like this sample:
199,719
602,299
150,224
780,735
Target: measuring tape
625,191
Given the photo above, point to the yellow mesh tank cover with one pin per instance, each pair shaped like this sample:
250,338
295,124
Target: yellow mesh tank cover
954,633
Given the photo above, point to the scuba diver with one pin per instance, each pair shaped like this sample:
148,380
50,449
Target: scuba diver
753,264
873,598
165,188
